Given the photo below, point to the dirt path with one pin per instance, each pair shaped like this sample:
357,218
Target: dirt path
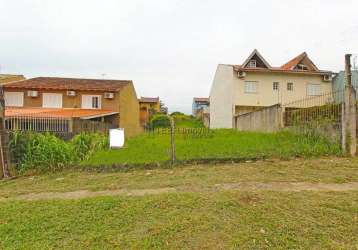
243,186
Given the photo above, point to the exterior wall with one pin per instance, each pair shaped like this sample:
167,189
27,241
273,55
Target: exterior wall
266,96
228,92
268,119
221,98
11,78
129,111
145,111
68,101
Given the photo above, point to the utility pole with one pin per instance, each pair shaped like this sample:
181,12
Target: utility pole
4,140
349,120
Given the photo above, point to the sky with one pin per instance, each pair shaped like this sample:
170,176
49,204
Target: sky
169,48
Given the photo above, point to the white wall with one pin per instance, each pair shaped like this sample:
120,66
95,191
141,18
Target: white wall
221,98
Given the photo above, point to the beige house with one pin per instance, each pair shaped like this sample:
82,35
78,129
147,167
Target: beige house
238,89
110,101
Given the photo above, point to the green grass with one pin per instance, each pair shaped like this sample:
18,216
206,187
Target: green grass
196,217
187,178
223,144
221,220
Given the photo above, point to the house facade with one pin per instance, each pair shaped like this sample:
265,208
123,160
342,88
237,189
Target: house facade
239,89
112,101
147,107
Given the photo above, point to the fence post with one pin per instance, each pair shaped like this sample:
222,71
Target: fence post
4,156
172,143
349,140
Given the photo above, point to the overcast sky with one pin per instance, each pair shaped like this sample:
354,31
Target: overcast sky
169,48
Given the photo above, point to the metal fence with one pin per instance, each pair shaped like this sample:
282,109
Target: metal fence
38,124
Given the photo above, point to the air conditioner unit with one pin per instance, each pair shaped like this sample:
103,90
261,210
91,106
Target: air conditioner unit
327,78
241,74
71,93
109,95
32,93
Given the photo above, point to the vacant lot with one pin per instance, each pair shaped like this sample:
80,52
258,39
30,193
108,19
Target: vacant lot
267,204
222,144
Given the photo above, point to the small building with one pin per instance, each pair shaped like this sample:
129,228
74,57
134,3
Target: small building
200,103
254,84
148,106
7,78
339,83
111,101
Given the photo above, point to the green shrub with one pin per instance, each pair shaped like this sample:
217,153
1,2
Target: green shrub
160,121
85,144
46,152
40,152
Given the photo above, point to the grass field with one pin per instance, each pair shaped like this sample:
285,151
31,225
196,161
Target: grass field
196,216
223,144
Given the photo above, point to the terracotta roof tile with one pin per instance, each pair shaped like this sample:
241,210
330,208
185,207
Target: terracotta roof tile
56,113
292,63
58,83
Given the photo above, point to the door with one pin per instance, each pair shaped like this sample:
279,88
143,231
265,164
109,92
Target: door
14,99
51,100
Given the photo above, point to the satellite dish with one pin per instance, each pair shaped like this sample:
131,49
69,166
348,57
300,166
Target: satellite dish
116,138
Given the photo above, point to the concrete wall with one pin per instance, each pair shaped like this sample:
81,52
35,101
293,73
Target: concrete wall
268,119
221,98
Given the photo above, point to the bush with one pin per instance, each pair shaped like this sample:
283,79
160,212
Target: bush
86,144
44,152
160,121
40,151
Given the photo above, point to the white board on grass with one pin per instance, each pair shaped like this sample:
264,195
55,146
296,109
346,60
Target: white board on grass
116,138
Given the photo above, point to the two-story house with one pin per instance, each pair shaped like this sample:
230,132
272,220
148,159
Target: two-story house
238,89
112,101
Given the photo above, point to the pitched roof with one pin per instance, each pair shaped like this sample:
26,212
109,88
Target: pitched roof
290,65
57,83
57,113
257,53
201,99
149,99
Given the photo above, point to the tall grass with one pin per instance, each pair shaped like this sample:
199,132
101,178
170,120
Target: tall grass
46,152
222,144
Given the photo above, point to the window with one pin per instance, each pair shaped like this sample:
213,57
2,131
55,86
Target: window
276,86
290,86
14,99
301,67
91,101
51,100
252,64
313,89
250,87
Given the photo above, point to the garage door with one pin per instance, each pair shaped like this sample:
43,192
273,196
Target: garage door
51,100
14,99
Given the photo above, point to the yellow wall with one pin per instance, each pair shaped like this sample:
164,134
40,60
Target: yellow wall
150,105
266,96
125,102
129,111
